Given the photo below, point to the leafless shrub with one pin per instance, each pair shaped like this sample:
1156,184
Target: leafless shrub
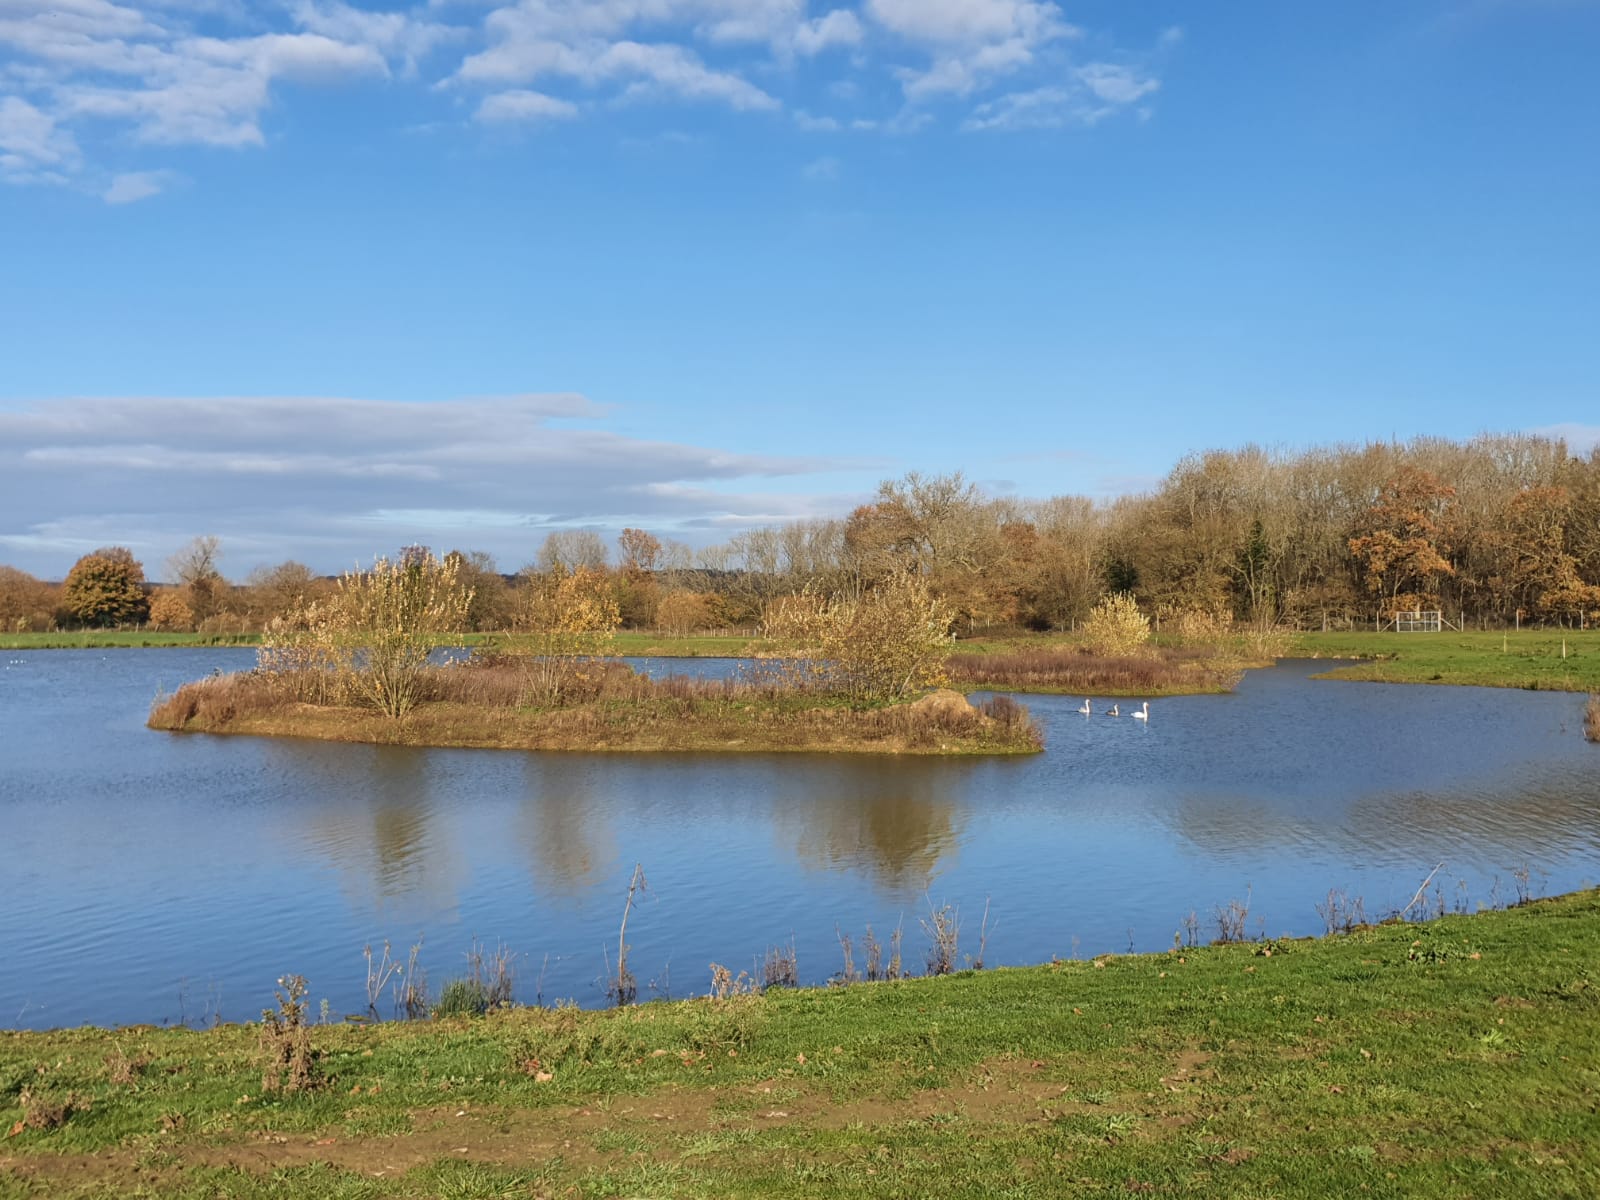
1341,912
46,1110
491,974
724,984
621,986
411,986
290,1064
1233,920
123,1070
943,927
780,967
983,938
873,949
849,974
379,975
1191,929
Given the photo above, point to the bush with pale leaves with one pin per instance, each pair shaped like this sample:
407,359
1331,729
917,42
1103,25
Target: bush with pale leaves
1116,627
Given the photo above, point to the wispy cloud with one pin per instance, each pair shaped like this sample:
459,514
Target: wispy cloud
132,186
315,477
76,74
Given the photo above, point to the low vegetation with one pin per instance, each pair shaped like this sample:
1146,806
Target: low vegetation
1446,1058
1077,670
607,707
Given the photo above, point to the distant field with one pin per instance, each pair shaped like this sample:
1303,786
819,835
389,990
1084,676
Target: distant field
100,639
1530,658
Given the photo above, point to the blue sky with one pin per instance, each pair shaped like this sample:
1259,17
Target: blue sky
325,279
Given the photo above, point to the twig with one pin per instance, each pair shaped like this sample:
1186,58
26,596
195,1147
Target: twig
1421,891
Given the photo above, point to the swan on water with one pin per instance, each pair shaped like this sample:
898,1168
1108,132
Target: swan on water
1112,711
1144,714
1085,710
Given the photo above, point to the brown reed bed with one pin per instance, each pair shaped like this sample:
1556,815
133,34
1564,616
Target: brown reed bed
1591,718
606,706
1074,670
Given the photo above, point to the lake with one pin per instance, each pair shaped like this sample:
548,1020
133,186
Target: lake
153,877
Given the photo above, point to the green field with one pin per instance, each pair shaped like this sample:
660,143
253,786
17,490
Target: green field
110,639
1448,1059
1521,659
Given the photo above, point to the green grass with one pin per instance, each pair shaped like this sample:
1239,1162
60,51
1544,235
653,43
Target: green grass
103,639
1520,659
1453,1059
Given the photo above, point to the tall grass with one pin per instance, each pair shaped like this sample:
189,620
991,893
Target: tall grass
1077,669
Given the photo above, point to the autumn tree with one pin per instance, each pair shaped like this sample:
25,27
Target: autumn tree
881,646
681,612
25,602
569,618
389,619
566,550
170,611
194,569
1398,541
640,551
1116,626
106,588
279,590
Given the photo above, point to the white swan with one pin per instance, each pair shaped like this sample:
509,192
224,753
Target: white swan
1112,711
1085,710
1143,715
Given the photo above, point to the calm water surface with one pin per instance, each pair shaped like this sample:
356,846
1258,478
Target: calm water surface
154,877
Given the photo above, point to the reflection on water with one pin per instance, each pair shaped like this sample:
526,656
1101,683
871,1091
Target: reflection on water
151,858
891,822
562,823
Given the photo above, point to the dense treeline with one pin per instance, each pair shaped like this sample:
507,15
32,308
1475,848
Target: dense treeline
1499,528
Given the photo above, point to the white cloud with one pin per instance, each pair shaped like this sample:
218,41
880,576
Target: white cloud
970,22
132,186
207,72
839,28
810,124
32,147
1116,85
1090,94
145,67
399,37
821,170
525,51
522,105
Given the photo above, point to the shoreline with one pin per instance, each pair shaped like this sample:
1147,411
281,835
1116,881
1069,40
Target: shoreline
1311,1067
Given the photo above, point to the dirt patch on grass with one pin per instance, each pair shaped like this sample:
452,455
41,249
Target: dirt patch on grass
1003,1092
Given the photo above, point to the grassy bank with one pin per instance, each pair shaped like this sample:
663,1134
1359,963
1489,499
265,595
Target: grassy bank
1453,1059
486,706
1519,659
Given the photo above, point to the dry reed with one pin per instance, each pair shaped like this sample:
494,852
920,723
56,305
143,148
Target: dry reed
1074,669
1591,719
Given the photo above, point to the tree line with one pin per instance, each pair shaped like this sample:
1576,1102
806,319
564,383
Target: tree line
1498,528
